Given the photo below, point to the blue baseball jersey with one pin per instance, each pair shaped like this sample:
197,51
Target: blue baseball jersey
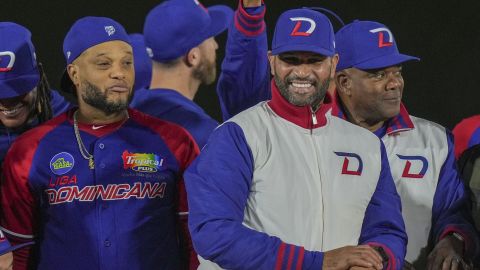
239,69
8,136
129,212
172,106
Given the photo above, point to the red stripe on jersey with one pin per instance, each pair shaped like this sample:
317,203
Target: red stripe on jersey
290,257
281,253
301,253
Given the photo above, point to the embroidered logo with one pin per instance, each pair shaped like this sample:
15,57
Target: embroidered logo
142,162
110,30
7,59
62,163
419,163
351,169
296,30
381,38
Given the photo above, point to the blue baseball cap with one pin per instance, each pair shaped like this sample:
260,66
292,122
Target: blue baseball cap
142,62
174,27
303,30
85,33
18,65
368,45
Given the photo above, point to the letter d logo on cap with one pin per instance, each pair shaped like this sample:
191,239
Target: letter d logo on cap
9,66
299,21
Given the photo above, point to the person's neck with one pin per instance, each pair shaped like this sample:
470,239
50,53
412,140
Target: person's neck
89,115
176,79
356,118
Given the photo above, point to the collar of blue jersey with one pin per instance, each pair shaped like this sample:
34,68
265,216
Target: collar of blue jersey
301,116
401,122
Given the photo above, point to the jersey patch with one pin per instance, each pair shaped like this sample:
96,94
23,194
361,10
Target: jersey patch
142,162
62,163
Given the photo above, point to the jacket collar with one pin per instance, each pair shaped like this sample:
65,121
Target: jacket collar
301,116
401,122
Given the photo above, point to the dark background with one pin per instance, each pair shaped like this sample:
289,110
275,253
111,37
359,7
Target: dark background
442,87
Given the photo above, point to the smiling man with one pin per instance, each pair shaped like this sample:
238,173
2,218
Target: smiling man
101,182
286,185
370,86
25,98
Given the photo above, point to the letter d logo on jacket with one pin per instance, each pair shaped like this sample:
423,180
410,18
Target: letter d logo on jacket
352,163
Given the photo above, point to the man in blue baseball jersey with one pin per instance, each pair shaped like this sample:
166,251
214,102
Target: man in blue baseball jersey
180,36
102,184
284,184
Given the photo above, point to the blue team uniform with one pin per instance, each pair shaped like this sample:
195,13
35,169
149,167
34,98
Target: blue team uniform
238,66
129,212
171,106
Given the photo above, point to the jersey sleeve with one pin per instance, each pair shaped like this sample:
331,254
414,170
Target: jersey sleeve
189,153
383,224
18,218
245,78
450,211
218,185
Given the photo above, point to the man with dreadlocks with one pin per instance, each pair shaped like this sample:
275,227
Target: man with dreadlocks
25,99
25,96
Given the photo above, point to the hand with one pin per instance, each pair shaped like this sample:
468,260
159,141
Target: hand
6,261
447,254
252,3
352,256
361,268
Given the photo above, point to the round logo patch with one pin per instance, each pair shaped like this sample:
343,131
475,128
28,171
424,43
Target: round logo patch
62,163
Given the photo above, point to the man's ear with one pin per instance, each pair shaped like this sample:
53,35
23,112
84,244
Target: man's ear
192,58
271,59
343,82
72,70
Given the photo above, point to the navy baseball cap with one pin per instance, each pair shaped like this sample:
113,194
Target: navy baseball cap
85,33
18,65
368,45
303,30
174,27
142,62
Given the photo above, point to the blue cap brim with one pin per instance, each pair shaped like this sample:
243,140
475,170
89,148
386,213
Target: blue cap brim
19,85
385,61
221,17
302,48
13,248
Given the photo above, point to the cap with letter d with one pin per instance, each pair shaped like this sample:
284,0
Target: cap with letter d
304,30
18,64
368,45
